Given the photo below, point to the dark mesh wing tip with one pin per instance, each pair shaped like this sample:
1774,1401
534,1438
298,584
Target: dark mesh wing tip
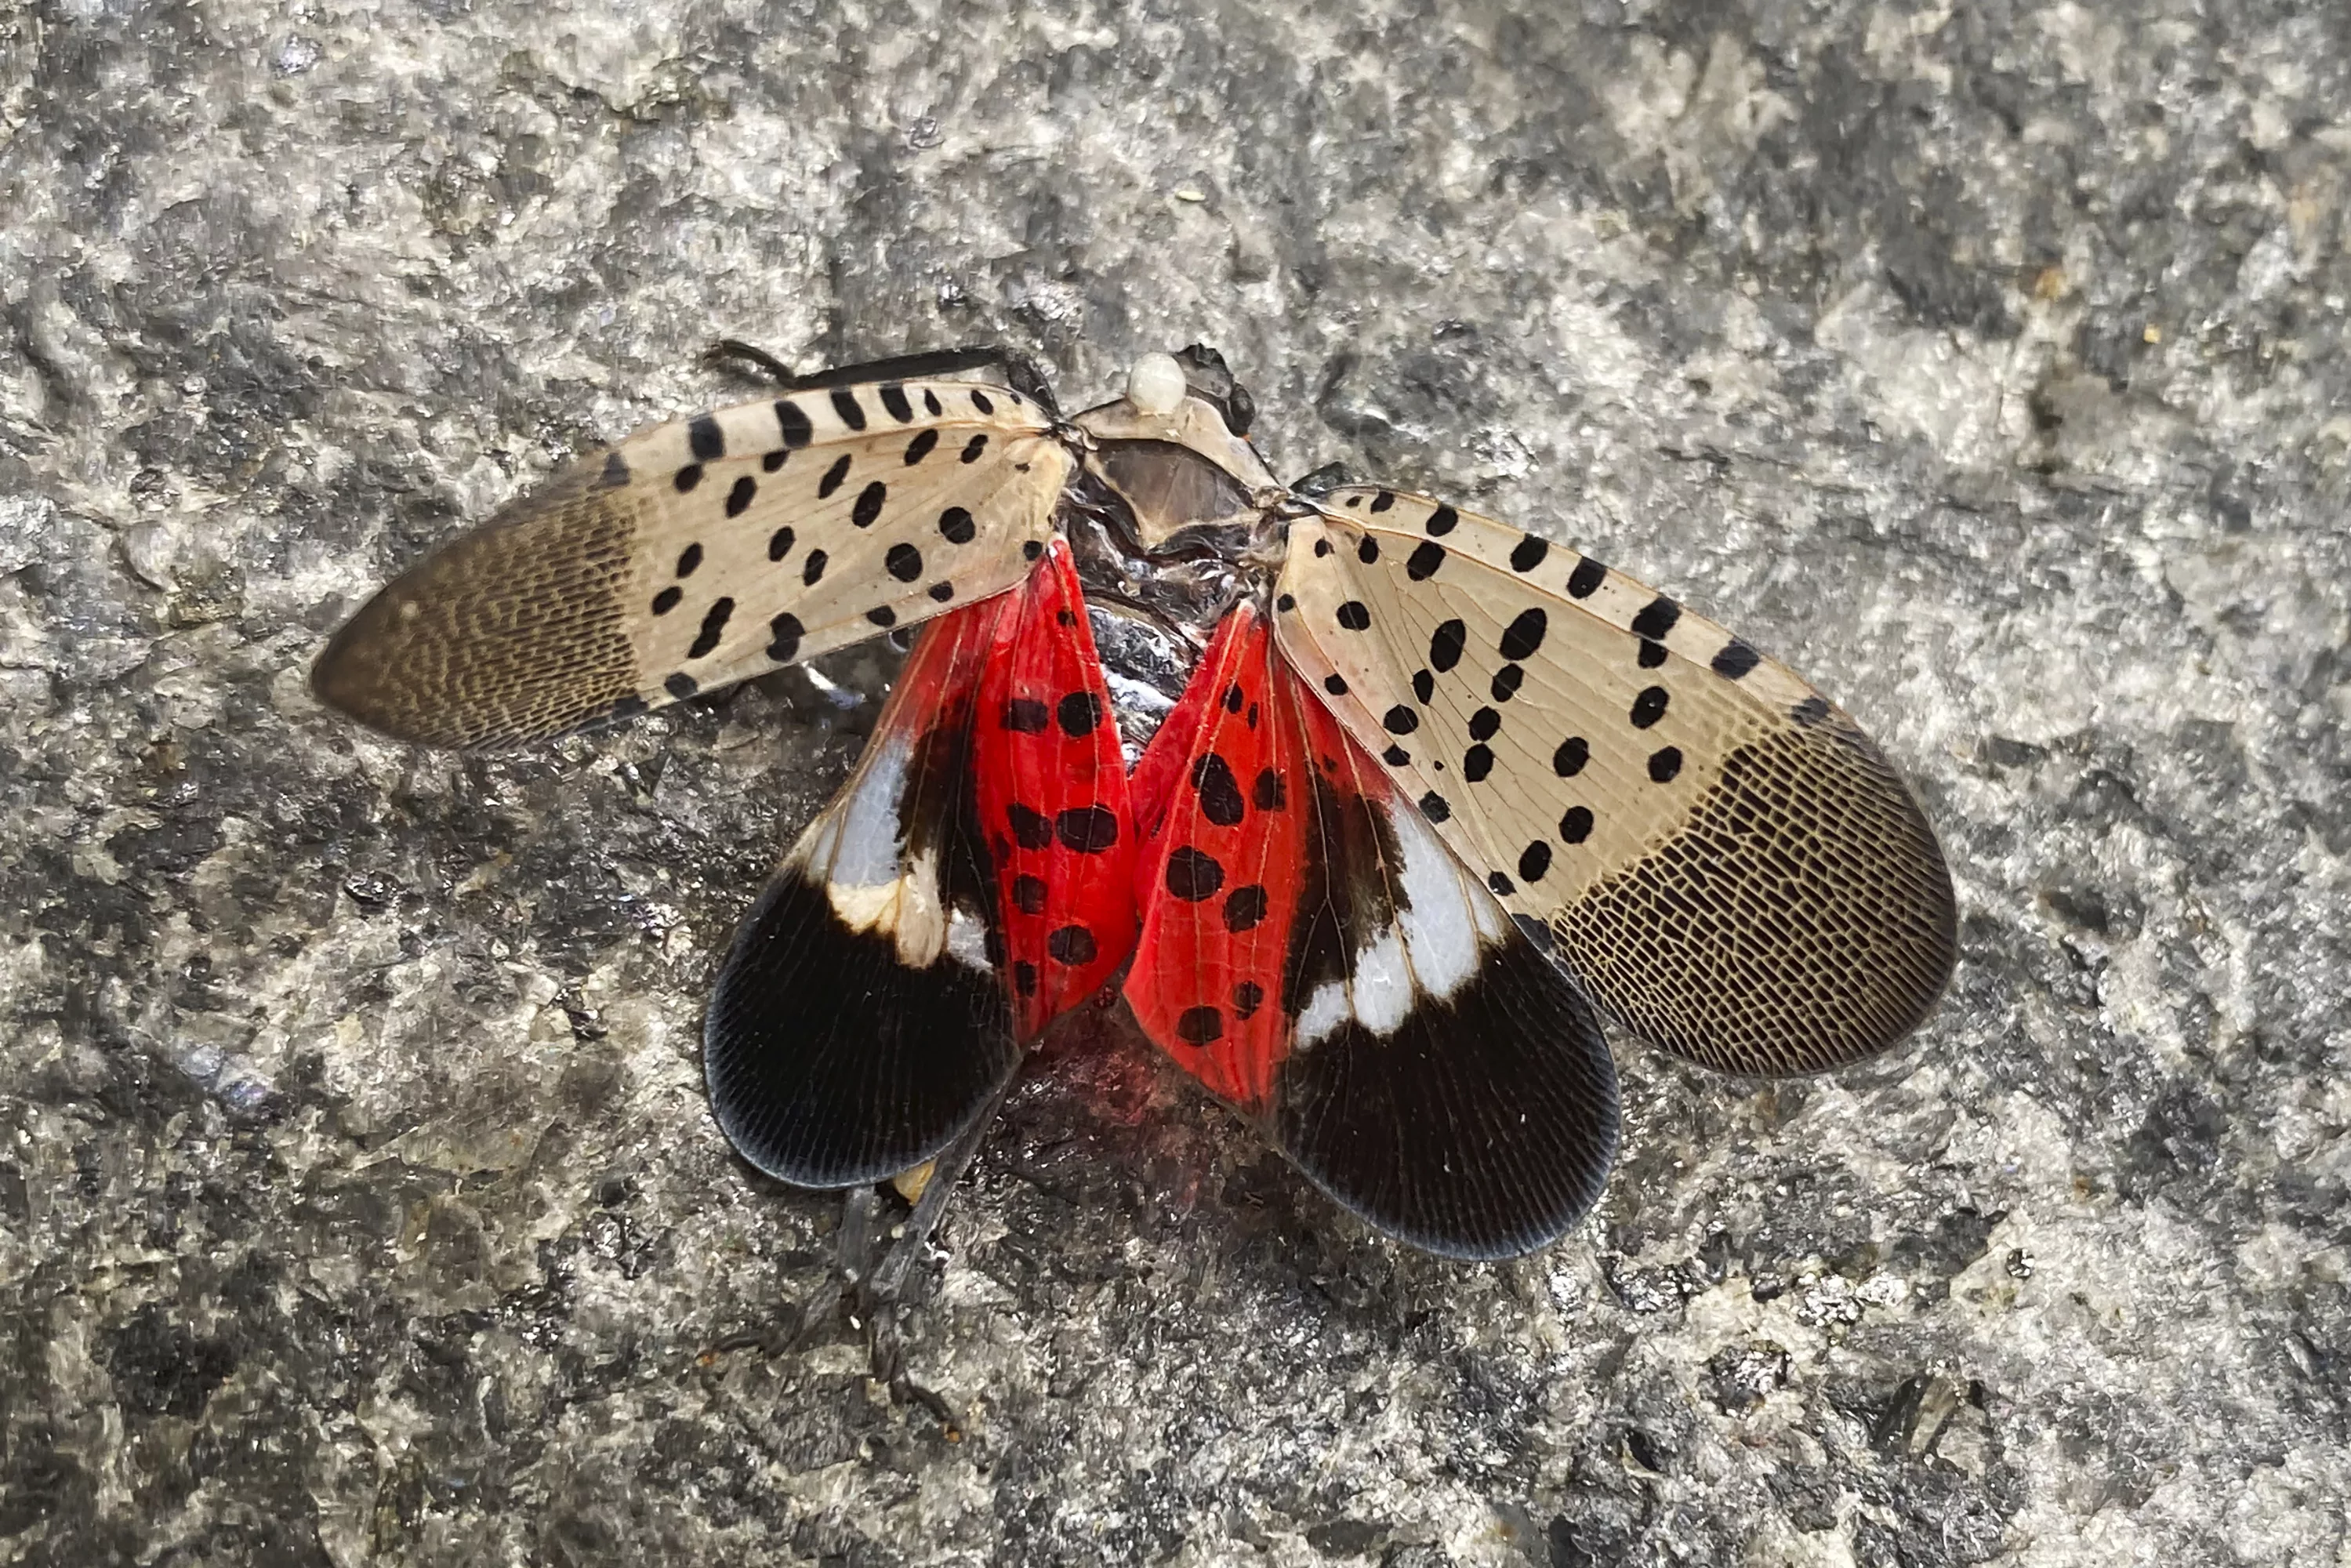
830,1063
1482,1129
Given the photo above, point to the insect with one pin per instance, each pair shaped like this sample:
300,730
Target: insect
1437,794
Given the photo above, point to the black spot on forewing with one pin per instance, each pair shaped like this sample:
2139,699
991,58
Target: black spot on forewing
903,561
779,543
1656,618
1427,556
1353,616
681,687
739,499
792,424
1528,553
1734,660
1507,682
1575,825
920,447
1665,763
714,627
1569,760
705,440
894,398
666,599
845,404
1585,580
975,446
785,632
1444,644
869,503
813,569
1441,521
834,478
1524,635
1649,707
955,526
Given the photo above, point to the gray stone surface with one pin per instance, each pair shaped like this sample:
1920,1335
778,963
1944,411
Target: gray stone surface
358,1203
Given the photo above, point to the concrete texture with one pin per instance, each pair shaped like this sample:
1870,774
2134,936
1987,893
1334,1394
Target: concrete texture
358,1203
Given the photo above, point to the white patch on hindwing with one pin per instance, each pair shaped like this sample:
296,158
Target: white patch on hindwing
854,851
1428,948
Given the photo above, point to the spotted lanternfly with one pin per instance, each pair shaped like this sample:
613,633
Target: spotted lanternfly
1434,795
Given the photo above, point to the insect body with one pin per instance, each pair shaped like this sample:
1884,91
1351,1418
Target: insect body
1435,789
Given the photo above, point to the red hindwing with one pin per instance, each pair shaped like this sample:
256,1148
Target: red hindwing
1053,796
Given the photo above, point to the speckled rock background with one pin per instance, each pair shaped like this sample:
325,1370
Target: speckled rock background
358,1202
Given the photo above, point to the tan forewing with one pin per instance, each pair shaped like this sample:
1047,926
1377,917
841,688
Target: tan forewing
1721,856
701,552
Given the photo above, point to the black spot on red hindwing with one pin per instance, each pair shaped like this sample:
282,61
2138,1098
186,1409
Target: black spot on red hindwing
845,403
1024,977
1247,996
1078,712
1194,875
1029,894
1087,830
1245,907
1445,646
1070,945
1026,715
1267,794
1200,1026
1032,829
1220,794
1525,635
1234,697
